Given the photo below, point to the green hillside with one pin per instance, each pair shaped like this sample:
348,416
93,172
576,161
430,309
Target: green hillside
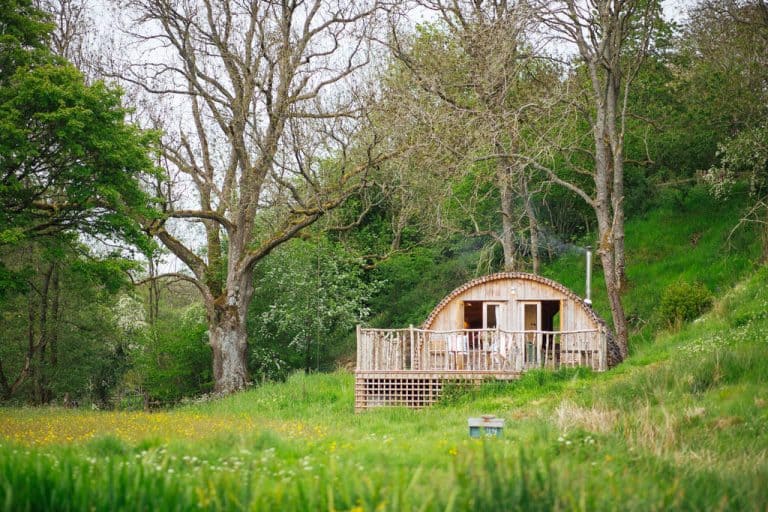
688,237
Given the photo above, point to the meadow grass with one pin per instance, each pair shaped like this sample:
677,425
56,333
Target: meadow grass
682,425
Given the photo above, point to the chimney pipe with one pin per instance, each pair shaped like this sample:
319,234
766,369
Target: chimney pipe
588,297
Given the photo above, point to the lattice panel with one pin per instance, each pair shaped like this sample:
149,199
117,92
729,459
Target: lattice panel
406,391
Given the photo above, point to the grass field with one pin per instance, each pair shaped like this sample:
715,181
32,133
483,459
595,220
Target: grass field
682,425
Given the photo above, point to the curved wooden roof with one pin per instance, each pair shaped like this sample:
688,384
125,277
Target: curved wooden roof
512,275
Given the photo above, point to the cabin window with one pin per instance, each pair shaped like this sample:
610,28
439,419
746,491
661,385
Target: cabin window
482,315
531,316
491,315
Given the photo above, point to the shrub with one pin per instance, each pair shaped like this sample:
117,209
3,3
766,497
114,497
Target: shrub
267,365
682,302
171,360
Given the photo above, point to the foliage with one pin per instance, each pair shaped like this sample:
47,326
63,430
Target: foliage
309,296
462,97
744,158
70,166
170,359
413,283
267,365
24,33
61,324
69,161
682,302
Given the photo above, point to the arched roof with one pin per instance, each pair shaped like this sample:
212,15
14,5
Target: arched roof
512,275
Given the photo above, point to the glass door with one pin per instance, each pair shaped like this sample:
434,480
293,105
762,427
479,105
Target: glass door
531,315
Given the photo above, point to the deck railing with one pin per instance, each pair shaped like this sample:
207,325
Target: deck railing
478,350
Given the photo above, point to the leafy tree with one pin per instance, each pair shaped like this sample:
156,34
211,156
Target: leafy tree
169,359
68,160
744,157
727,42
315,296
24,32
59,336
612,38
69,166
467,91
413,283
724,47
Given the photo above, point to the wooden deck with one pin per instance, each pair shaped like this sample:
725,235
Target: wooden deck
409,367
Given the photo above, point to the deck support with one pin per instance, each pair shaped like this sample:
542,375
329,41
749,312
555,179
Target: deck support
414,389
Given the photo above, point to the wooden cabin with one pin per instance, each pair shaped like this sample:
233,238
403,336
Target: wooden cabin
494,327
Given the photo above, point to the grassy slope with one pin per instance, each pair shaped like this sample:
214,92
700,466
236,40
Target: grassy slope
687,237
683,424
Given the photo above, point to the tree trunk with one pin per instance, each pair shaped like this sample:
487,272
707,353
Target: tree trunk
615,158
507,225
606,250
154,293
608,204
40,380
56,317
308,356
228,333
533,224
765,237
229,341
617,309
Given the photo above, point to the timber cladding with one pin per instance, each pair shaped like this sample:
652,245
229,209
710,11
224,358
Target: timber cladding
510,289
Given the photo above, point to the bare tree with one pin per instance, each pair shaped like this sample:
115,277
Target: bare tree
72,34
269,139
612,38
477,74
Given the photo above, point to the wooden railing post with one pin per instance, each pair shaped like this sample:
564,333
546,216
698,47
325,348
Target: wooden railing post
603,349
537,337
359,349
411,340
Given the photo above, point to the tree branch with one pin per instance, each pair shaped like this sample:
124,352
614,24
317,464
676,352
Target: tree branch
204,214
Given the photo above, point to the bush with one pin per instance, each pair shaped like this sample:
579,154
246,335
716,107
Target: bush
682,302
170,360
267,365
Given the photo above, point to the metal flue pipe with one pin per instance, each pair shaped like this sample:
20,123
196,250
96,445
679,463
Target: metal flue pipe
588,297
